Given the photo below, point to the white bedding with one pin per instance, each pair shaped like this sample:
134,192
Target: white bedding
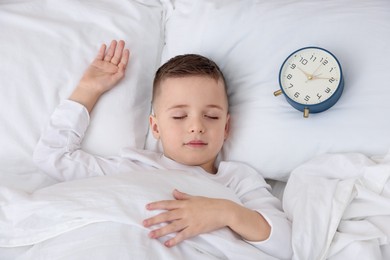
102,217
46,45
250,39
336,202
339,205
340,208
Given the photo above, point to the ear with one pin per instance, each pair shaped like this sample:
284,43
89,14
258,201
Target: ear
227,126
153,122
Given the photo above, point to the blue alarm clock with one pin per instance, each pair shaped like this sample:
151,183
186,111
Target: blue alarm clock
311,79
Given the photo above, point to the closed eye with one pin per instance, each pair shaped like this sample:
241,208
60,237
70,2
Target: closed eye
179,117
212,117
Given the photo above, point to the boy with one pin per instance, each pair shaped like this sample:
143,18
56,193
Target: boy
190,118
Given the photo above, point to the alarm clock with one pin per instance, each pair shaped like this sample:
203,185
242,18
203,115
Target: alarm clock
311,79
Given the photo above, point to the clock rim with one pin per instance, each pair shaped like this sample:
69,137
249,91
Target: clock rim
324,105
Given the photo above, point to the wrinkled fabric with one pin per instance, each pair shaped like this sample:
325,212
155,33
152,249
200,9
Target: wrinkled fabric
339,205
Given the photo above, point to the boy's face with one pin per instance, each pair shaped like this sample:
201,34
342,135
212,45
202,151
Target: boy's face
191,119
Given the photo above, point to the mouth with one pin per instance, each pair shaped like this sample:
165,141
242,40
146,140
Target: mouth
195,143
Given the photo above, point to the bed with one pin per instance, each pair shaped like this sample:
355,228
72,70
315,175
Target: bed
331,170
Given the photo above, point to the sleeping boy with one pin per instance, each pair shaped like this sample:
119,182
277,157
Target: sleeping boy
191,120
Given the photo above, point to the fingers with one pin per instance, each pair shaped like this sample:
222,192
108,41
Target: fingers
176,240
101,52
169,204
124,60
174,226
116,54
178,226
172,208
110,51
173,220
180,195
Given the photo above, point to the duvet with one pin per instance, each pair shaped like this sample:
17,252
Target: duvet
101,218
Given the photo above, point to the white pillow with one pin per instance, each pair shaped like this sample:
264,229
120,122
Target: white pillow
46,47
250,40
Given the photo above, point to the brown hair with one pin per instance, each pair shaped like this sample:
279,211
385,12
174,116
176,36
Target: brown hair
184,66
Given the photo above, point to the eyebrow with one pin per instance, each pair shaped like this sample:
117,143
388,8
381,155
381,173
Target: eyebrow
184,106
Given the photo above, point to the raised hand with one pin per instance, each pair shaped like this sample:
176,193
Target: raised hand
107,69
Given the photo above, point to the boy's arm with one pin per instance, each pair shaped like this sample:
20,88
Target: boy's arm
103,74
58,152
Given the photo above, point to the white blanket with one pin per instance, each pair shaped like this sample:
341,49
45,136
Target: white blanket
101,218
340,208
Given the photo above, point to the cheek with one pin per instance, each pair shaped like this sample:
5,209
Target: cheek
219,133
170,132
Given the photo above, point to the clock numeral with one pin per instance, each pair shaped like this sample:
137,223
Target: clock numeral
331,80
313,58
291,85
289,76
331,69
319,96
307,98
325,62
303,61
293,66
296,94
327,90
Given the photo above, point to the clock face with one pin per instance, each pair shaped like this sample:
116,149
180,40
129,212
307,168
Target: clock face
310,76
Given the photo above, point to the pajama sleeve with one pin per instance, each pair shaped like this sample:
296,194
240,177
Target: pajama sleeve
255,194
58,152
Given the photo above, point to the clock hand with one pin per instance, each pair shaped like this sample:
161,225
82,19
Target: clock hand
314,72
320,78
317,77
308,76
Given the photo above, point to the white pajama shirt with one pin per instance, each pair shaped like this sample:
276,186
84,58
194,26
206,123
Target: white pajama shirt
59,155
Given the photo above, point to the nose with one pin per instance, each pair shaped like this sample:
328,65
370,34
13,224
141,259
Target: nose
196,126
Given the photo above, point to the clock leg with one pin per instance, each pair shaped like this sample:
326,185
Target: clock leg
305,112
278,92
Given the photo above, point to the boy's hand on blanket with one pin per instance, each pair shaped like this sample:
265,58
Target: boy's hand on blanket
188,216
103,74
